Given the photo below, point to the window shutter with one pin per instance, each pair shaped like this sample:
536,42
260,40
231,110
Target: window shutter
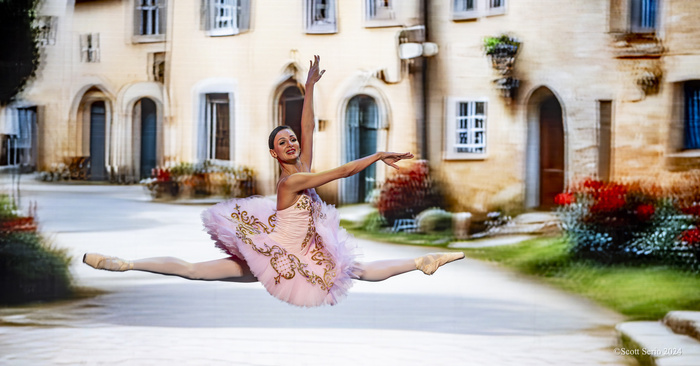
244,16
204,19
138,19
692,115
84,47
95,47
162,16
331,15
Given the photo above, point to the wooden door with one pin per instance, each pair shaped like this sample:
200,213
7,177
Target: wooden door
551,152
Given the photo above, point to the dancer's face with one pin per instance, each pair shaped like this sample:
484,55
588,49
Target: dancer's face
286,146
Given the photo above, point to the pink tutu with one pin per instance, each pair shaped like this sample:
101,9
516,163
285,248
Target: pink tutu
300,254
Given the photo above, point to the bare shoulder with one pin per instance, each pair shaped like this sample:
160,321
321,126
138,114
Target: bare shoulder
286,196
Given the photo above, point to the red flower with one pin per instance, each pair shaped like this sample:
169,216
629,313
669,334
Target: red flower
691,237
692,210
593,184
163,175
645,211
564,199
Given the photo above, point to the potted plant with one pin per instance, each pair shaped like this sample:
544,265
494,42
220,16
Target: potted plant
502,50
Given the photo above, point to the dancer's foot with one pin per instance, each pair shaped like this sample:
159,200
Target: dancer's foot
99,261
431,262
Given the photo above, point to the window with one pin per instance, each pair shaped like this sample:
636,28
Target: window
472,9
466,129
691,128
149,20
46,30
226,17
321,16
380,10
90,47
496,7
17,146
643,16
218,134
464,9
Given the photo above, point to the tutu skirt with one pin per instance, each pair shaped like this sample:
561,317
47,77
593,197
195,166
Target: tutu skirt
300,254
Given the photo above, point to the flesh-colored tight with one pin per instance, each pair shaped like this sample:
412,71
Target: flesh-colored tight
236,270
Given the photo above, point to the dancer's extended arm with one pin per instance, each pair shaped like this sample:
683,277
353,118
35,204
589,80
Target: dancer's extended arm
308,122
300,181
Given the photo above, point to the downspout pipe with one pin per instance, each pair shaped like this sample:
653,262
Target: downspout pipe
423,123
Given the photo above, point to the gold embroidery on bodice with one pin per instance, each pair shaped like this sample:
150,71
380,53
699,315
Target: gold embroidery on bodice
285,264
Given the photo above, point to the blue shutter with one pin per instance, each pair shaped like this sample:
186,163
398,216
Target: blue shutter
692,115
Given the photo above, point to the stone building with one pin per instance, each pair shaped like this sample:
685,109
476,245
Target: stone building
600,88
139,84
607,89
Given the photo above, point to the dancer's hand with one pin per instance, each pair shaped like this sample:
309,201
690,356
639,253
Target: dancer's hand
315,71
391,158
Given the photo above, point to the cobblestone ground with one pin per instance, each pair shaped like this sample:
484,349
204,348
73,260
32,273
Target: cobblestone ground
469,312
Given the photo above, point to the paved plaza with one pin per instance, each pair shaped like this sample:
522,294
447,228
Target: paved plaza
468,313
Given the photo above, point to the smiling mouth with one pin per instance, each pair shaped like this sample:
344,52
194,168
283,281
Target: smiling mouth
291,151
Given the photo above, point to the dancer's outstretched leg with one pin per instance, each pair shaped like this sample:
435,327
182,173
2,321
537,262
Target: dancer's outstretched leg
229,269
381,270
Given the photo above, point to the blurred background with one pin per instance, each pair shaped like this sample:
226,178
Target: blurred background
570,126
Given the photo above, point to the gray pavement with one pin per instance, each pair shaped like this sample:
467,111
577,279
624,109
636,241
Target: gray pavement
469,312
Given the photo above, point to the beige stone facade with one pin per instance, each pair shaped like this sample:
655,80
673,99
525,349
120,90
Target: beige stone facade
602,89
591,59
192,59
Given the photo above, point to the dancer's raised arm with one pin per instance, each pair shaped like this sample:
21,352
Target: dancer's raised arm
308,122
300,181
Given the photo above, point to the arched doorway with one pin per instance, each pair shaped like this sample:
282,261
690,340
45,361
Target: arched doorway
546,150
146,122
289,107
361,134
98,119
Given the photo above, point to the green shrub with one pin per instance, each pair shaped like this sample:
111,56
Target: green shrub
30,269
434,220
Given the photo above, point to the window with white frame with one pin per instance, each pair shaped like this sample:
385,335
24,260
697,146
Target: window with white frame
320,16
465,129
464,9
496,7
472,9
90,47
218,126
379,10
46,30
149,20
643,15
226,17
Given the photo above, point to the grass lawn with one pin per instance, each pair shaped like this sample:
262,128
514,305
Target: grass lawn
396,238
641,293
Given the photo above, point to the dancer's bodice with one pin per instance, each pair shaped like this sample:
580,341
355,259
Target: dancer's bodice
295,224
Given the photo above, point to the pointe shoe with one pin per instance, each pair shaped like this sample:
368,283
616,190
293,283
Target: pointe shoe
431,262
99,261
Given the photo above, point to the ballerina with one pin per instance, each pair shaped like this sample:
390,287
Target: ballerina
295,246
